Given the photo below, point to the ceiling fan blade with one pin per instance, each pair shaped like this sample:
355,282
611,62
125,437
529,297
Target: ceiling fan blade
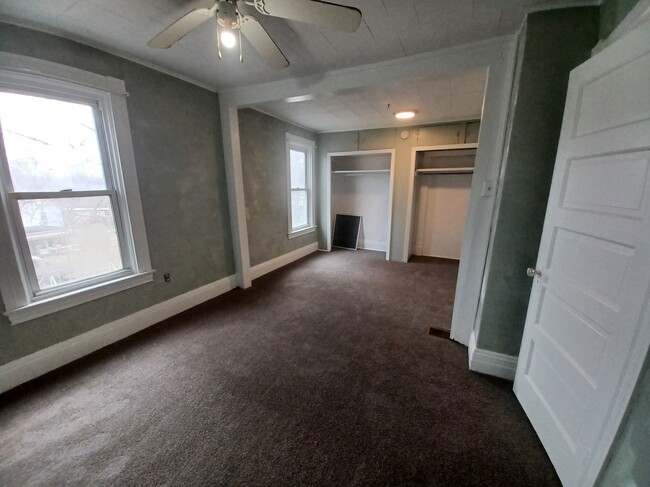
262,42
322,14
181,27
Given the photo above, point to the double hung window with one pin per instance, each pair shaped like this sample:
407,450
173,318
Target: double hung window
300,158
69,195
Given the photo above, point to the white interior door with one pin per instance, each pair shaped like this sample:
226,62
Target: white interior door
587,324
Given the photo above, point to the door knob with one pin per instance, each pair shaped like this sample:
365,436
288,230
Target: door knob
533,272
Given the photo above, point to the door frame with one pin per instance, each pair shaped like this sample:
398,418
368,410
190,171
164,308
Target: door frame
328,191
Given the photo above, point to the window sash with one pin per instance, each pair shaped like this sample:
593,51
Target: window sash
101,129
309,213
36,293
107,97
26,261
306,147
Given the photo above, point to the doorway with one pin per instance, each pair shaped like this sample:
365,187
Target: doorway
443,180
361,183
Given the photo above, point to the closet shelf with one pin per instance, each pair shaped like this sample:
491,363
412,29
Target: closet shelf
446,170
362,171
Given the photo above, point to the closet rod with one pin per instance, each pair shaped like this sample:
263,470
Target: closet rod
362,171
446,170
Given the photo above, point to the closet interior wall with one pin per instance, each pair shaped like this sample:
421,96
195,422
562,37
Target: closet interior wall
443,180
360,185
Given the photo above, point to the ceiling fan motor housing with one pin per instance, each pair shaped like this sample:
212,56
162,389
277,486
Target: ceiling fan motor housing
227,14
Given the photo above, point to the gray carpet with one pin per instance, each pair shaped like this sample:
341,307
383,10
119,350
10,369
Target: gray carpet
321,374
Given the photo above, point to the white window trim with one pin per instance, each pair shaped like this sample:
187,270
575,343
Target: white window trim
111,93
309,146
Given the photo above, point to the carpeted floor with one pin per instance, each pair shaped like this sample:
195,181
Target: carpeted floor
321,374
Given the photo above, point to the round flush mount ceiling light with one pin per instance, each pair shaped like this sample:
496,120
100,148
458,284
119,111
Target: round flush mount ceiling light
404,114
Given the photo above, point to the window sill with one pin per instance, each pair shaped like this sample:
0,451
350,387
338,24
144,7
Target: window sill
73,298
302,231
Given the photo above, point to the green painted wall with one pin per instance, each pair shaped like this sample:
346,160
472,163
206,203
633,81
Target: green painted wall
388,138
264,167
612,12
554,42
179,159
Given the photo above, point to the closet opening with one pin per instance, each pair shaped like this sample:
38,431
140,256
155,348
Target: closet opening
361,184
441,191
442,182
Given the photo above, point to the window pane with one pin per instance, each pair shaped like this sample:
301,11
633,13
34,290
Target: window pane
299,209
51,145
298,169
71,238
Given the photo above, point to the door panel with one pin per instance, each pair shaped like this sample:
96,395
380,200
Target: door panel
611,100
572,333
587,307
612,184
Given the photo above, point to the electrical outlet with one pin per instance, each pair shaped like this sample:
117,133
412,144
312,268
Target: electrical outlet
487,189
167,277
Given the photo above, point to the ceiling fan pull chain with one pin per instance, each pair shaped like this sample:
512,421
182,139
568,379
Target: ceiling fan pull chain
241,50
219,42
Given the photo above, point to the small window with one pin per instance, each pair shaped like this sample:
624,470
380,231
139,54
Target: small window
300,157
71,211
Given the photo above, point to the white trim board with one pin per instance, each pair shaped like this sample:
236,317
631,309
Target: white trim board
270,265
491,363
374,245
31,366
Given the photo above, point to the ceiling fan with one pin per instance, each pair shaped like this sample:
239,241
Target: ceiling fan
232,23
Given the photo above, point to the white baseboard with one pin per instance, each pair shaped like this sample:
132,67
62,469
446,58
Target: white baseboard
372,245
50,358
270,265
491,363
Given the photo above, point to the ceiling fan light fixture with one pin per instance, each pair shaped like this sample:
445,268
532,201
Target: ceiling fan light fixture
405,114
230,17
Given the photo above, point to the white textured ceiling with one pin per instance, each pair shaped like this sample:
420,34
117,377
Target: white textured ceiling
390,29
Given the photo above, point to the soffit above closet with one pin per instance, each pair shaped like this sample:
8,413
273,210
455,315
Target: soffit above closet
436,99
390,29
